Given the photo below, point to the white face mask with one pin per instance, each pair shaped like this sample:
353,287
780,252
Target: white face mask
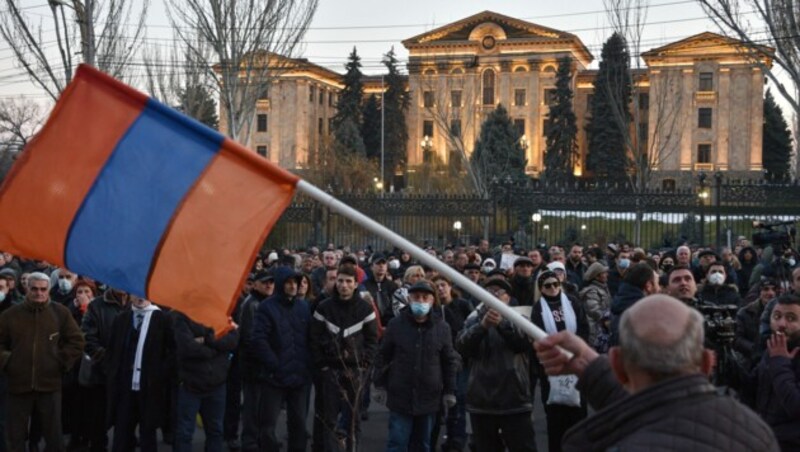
2,296
791,262
716,279
64,285
394,264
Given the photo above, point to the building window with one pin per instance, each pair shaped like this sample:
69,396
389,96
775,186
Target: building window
428,99
519,97
546,124
704,118
321,97
427,129
320,125
455,127
261,125
488,87
549,97
644,101
703,153
311,91
706,81
331,96
455,98
455,161
262,151
519,127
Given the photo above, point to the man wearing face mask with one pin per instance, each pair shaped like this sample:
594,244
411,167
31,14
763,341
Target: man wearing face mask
421,365
716,290
62,281
615,276
5,300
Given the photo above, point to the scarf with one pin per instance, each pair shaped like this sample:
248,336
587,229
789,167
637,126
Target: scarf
566,308
137,360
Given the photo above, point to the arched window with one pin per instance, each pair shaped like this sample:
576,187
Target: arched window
488,87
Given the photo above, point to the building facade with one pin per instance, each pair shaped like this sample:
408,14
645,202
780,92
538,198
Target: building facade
697,103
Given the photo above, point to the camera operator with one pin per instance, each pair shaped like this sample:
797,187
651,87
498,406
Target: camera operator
652,391
775,379
717,289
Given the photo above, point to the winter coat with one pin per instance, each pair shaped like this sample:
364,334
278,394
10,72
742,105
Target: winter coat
344,333
39,343
97,327
382,294
625,298
681,414
747,336
202,366
280,339
157,363
777,398
455,315
420,364
249,363
746,270
723,295
523,290
499,379
595,301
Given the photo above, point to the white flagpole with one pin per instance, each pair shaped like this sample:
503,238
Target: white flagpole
457,278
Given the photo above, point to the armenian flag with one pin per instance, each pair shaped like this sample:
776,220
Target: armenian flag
128,191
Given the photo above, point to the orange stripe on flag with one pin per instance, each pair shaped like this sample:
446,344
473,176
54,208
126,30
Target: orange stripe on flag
55,172
216,233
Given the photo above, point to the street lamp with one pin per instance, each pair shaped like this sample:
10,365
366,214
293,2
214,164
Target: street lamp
426,144
536,218
457,229
546,232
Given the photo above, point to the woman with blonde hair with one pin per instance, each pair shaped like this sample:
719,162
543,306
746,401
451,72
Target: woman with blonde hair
413,274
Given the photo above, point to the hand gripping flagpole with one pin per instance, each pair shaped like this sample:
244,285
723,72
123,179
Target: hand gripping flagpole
418,253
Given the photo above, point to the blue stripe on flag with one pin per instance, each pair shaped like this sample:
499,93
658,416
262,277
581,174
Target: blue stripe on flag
116,233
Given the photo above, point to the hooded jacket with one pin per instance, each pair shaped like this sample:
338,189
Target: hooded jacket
280,336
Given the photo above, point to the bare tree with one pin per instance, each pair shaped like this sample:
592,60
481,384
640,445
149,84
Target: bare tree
777,25
451,106
251,41
96,32
19,120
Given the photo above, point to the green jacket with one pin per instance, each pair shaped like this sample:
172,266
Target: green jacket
39,343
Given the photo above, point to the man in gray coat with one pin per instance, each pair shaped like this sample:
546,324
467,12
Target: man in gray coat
652,391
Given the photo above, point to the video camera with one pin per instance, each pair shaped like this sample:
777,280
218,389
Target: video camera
720,329
780,235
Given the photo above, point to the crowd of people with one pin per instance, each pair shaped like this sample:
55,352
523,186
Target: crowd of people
362,326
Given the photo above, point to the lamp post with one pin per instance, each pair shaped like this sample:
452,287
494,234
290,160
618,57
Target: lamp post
426,144
535,219
457,229
523,143
702,197
546,232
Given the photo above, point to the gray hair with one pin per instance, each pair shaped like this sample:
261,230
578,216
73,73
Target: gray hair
663,361
39,276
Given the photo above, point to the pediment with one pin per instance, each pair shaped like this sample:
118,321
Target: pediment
706,43
507,27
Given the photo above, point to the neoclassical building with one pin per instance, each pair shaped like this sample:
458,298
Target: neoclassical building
697,103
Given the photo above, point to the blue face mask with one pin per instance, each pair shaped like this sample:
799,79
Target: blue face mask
420,309
624,263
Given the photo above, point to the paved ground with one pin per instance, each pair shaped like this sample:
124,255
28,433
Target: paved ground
375,430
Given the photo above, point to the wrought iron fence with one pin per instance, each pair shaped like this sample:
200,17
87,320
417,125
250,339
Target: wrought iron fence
709,212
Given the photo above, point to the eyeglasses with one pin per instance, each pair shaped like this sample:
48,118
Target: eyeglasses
551,285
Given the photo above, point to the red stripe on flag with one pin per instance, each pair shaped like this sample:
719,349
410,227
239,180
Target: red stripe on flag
48,184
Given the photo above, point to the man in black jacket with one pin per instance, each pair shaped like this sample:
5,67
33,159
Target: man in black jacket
499,396
202,369
420,370
344,340
139,357
380,285
652,391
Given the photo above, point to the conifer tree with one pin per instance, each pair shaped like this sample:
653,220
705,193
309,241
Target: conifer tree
371,127
607,158
396,102
497,151
561,144
777,141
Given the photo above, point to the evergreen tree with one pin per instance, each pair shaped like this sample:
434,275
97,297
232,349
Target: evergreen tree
348,139
348,107
396,102
777,141
497,151
371,127
197,102
610,114
561,140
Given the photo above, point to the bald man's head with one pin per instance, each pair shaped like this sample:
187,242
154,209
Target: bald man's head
662,336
